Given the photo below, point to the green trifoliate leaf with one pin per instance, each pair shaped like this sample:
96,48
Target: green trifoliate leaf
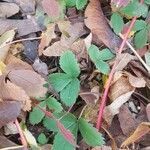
54,105
42,139
69,65
80,4
36,115
139,25
117,22
90,134
59,81
141,38
70,93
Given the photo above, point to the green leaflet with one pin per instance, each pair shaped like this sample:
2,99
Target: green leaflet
59,80
80,4
36,115
70,3
90,134
69,65
117,22
141,38
42,139
139,25
67,120
53,104
69,94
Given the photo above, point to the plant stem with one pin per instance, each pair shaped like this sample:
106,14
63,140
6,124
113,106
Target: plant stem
110,78
22,137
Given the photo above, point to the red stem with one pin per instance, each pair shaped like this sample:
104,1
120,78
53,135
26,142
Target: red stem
105,94
22,137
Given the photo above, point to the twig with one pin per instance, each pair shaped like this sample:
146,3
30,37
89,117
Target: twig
105,94
21,40
12,148
137,55
23,140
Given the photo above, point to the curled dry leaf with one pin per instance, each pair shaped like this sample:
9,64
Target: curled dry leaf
8,9
127,82
141,130
99,27
9,111
4,39
10,91
30,81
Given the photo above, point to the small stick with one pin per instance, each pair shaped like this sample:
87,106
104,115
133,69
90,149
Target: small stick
136,54
12,147
22,137
21,40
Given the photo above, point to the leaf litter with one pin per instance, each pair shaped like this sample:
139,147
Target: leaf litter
58,74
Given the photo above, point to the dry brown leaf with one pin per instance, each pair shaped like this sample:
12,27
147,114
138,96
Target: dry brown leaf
102,148
9,111
8,9
10,91
111,110
51,7
127,121
24,27
47,36
141,130
27,6
30,81
14,63
98,25
123,60
124,82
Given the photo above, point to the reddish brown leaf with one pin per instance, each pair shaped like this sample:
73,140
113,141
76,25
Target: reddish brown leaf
98,25
9,111
148,111
30,81
51,7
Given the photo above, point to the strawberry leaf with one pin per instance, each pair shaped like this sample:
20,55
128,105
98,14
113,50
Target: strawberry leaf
80,4
90,134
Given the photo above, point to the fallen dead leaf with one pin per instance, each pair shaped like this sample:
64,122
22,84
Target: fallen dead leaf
10,91
111,110
30,81
9,111
10,128
141,130
14,63
27,6
102,148
128,123
20,25
8,9
96,22
123,60
4,39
